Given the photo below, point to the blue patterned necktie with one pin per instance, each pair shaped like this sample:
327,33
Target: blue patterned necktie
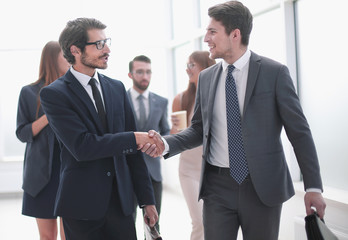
238,163
142,114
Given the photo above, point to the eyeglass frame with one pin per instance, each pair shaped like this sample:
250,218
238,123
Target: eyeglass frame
97,43
141,72
190,65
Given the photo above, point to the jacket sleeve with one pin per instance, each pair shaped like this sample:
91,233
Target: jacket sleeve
77,132
192,136
298,130
24,120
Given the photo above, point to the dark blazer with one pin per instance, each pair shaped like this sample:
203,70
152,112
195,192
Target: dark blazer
271,103
158,121
39,152
90,158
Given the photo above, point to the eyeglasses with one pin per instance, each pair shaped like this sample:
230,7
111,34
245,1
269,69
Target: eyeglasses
101,43
190,65
142,72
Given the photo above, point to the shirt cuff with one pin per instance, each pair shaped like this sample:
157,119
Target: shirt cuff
317,190
166,147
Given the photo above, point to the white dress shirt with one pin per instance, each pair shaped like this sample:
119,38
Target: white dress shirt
219,148
84,80
134,95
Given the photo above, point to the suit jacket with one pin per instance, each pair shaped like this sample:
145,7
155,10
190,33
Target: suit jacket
271,103
158,121
92,159
39,150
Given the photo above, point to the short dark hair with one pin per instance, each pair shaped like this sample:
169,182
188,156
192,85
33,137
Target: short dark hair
233,15
140,58
75,33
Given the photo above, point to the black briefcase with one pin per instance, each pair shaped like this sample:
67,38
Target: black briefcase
316,228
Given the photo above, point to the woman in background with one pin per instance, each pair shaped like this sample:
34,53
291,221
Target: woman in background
42,154
191,160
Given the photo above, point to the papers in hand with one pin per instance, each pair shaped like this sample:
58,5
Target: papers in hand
151,233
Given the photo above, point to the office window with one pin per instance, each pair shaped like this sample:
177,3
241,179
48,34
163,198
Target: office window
204,6
21,68
323,83
181,57
185,17
267,36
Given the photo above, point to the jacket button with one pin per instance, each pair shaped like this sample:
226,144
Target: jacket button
131,150
108,174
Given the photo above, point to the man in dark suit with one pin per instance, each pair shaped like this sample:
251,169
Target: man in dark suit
151,112
247,190
94,123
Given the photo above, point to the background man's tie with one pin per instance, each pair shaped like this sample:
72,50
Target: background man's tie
238,164
142,114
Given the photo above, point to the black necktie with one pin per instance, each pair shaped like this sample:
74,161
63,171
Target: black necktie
238,164
98,102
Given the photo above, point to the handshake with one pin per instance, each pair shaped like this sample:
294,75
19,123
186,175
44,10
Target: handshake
150,143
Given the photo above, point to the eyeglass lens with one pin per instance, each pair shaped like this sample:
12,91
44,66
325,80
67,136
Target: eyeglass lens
142,72
100,44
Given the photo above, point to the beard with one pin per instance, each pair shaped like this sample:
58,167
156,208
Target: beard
140,86
94,63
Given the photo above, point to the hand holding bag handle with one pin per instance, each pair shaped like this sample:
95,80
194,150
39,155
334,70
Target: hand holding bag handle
316,228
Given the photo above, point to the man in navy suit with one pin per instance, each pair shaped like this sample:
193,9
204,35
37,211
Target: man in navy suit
94,123
266,102
151,112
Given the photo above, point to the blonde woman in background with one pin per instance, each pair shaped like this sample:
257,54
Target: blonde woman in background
191,160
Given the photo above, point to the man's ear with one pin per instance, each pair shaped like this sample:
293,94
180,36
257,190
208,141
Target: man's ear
235,34
130,75
74,50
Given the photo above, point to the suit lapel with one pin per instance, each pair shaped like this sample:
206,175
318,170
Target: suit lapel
215,78
132,106
131,101
81,93
152,108
254,67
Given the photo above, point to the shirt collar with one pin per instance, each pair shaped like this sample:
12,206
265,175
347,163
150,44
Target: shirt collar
83,78
240,63
136,94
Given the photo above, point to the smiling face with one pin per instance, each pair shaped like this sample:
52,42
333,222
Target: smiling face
219,42
92,58
222,45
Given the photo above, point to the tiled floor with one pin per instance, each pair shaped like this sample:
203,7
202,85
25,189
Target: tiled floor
175,218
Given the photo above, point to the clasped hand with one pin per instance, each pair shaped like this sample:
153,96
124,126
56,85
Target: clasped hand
150,143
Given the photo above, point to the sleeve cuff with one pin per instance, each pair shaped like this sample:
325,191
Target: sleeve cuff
317,190
166,147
